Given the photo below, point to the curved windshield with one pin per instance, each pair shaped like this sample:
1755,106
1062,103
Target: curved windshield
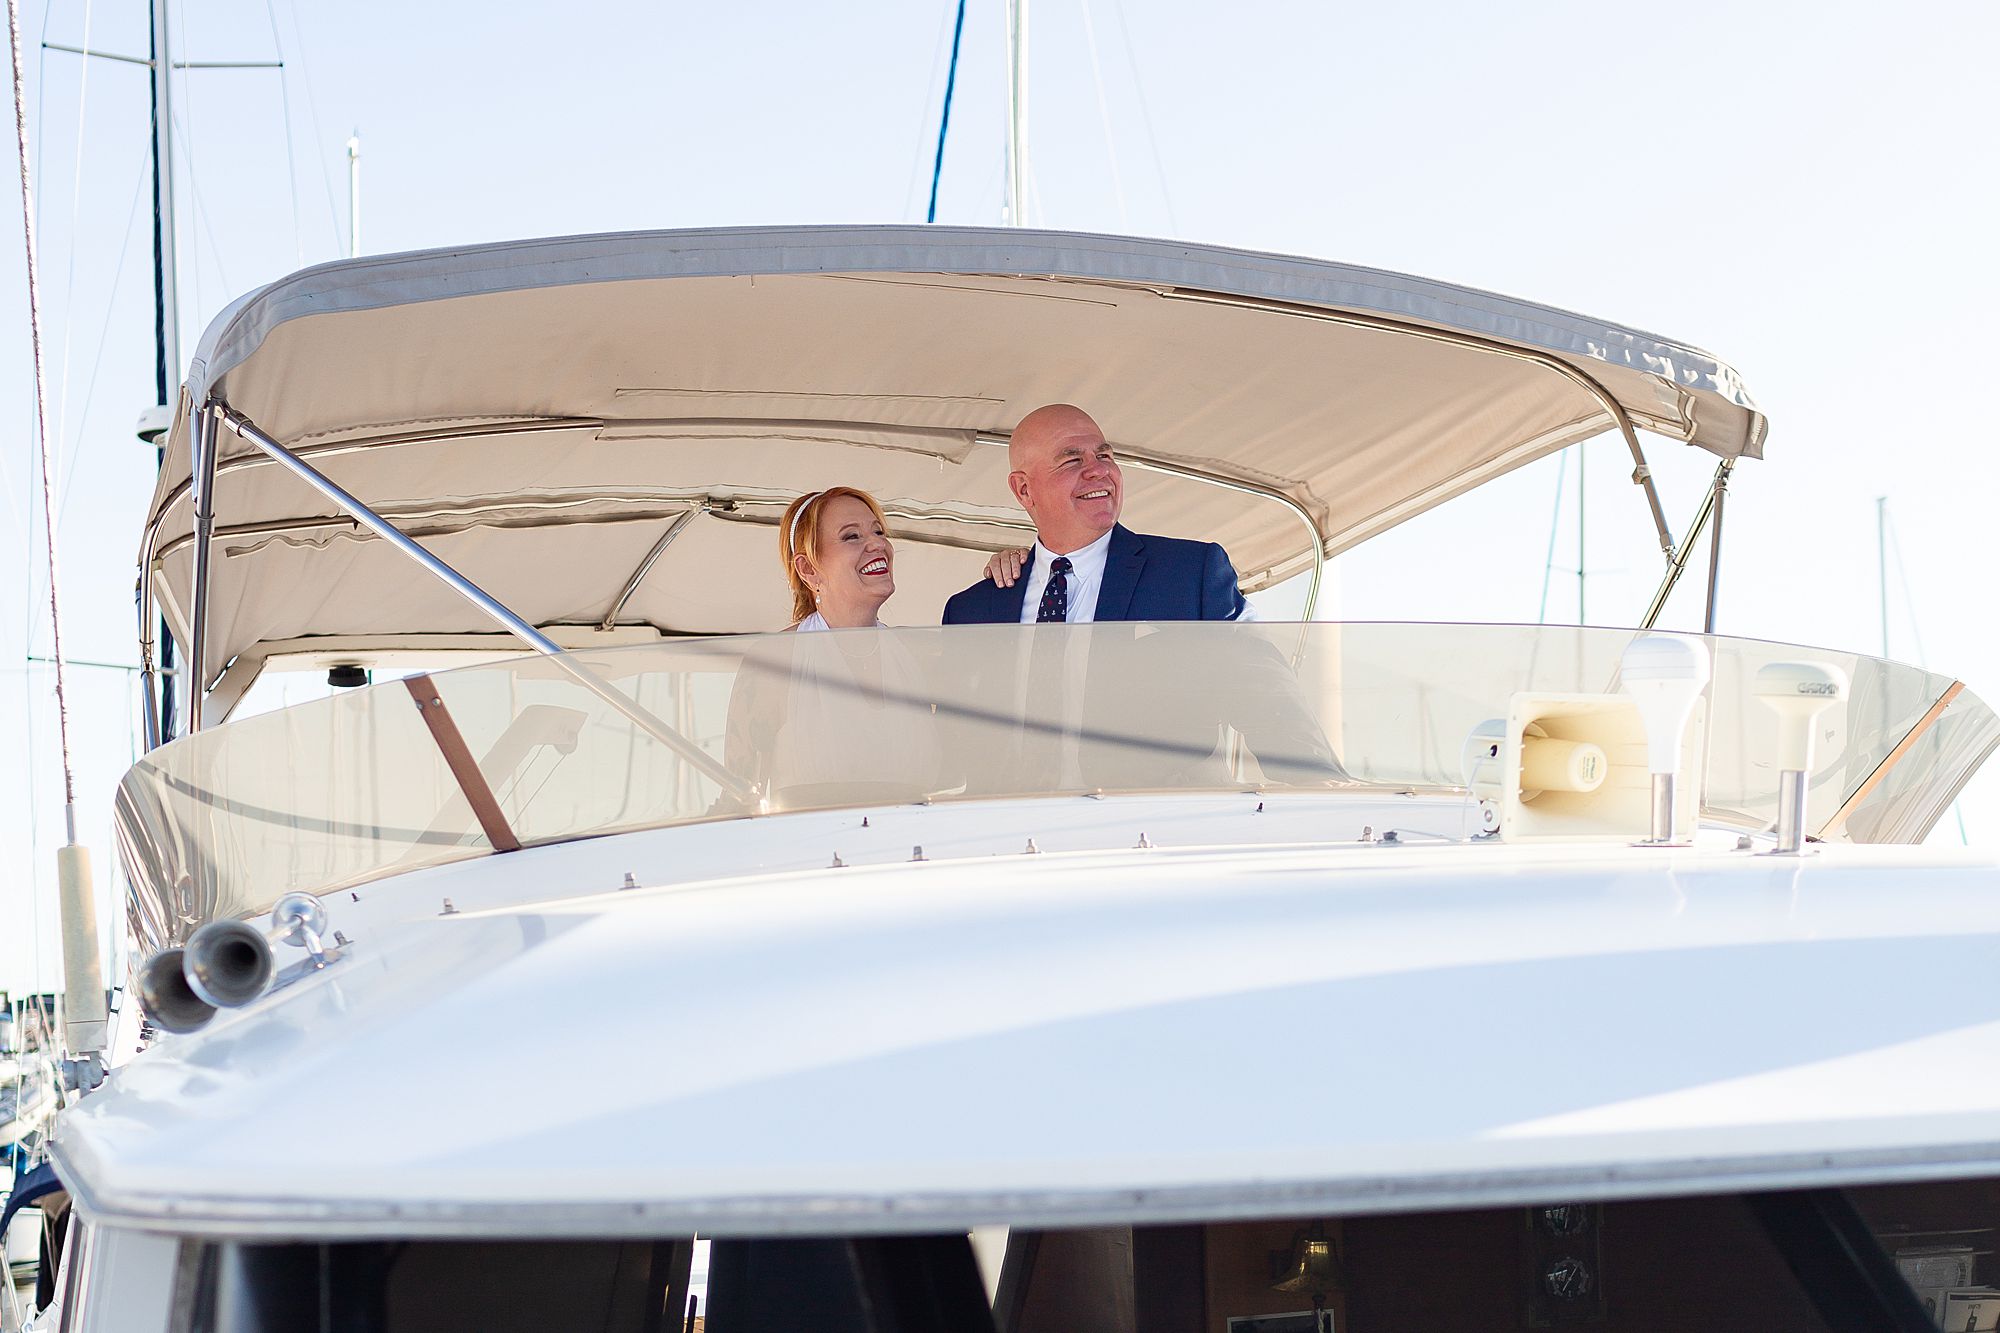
536,750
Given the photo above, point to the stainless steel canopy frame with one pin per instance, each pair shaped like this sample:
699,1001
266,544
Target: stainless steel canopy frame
1677,557
215,415
1642,472
681,512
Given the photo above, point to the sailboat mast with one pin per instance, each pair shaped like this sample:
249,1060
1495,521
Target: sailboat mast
354,194
1017,112
166,331
1882,564
166,323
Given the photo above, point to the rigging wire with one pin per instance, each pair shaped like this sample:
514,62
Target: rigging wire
285,110
944,120
203,215
75,211
41,410
1909,602
42,91
1917,635
924,120
1555,524
319,136
103,342
1145,114
1103,114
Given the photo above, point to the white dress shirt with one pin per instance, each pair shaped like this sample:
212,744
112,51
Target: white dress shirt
1086,580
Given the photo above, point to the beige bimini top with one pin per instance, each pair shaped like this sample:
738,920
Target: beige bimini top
538,413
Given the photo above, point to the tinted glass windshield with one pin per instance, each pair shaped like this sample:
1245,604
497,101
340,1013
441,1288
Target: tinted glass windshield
363,784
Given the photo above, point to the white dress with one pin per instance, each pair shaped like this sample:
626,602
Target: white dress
851,720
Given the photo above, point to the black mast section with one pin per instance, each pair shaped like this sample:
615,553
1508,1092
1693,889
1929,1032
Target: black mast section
162,372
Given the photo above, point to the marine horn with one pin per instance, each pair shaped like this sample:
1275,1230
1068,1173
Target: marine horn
231,962
228,963
168,999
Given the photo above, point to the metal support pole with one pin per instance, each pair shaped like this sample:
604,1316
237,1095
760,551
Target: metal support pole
1677,563
1664,834
1791,830
645,567
148,675
629,708
156,672
1642,472
204,445
1718,492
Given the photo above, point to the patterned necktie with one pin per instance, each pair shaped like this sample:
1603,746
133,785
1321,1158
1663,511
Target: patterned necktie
1055,597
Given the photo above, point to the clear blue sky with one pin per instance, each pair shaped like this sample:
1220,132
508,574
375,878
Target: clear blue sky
1807,190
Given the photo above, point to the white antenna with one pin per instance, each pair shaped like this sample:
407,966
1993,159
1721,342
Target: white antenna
1017,112
354,193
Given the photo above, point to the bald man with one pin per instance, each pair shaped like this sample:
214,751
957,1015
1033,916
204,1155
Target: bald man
1085,565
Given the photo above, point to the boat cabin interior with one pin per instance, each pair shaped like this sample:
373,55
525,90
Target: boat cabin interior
1900,1258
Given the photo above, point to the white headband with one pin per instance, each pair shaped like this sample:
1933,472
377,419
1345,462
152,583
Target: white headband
804,504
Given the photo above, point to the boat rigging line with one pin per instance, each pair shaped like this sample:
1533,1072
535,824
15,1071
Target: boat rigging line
41,409
944,119
1555,524
1104,114
85,1013
1017,112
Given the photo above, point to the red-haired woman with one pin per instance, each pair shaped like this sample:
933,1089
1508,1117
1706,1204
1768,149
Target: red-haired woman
839,558
826,719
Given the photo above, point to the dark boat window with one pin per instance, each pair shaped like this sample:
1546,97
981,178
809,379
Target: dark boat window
438,1287
1903,1258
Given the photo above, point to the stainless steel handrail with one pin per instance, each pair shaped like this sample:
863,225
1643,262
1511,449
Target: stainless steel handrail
471,592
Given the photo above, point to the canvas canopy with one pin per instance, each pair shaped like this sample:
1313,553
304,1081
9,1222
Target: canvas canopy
538,413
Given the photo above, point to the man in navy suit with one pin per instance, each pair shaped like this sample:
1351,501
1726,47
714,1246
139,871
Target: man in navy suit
1087,567
1066,476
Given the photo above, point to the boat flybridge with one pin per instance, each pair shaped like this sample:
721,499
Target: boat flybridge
1233,977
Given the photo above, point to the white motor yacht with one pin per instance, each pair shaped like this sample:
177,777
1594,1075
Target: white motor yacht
1222,978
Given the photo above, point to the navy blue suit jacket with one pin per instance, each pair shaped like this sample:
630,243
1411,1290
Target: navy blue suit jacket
1145,578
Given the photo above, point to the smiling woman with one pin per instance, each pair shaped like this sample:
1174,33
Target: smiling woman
838,557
